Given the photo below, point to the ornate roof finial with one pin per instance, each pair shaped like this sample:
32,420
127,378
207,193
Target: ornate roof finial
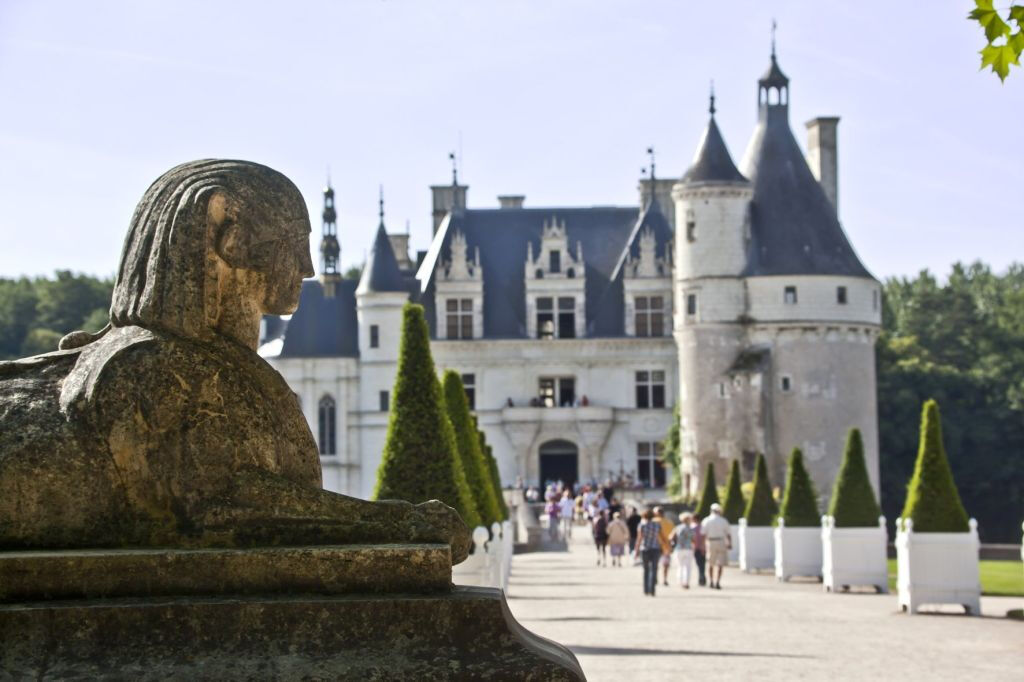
774,26
650,153
712,107
380,203
455,170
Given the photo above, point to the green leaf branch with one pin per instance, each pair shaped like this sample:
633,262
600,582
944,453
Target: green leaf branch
1005,43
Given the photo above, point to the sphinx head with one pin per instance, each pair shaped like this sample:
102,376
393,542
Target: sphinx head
212,245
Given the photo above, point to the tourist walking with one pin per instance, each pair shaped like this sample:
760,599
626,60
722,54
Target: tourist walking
648,548
633,523
566,507
682,543
618,536
719,542
699,551
551,508
600,529
666,546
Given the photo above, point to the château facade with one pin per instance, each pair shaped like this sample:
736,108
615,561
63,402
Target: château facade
732,291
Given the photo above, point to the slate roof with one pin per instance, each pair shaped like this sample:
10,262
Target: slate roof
712,162
323,327
773,76
502,236
381,271
794,227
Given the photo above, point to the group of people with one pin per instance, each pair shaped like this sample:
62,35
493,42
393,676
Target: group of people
653,539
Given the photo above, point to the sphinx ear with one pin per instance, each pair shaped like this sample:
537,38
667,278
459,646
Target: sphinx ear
226,234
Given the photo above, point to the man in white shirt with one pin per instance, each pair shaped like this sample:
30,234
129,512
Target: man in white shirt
566,512
719,542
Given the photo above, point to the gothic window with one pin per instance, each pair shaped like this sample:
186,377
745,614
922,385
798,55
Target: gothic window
374,336
545,318
566,317
649,315
469,383
649,467
555,261
841,295
557,391
789,295
327,420
650,389
459,318
385,402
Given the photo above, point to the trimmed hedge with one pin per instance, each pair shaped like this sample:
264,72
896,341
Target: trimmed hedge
477,475
800,502
933,502
420,461
853,503
670,457
732,508
492,468
709,495
761,508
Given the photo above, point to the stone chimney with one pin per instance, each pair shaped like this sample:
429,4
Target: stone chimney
447,198
823,155
400,245
511,200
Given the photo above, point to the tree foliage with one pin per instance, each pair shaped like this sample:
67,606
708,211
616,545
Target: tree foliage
799,507
709,493
932,498
853,503
421,458
492,467
732,507
1004,43
761,508
962,343
670,457
478,477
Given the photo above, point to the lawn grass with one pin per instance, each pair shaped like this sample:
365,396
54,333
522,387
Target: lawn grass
998,578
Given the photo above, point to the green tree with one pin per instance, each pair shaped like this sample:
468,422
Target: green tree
670,457
761,508
96,320
1004,44
800,502
18,301
421,459
933,502
853,503
40,341
492,467
467,439
66,300
709,494
734,504
353,272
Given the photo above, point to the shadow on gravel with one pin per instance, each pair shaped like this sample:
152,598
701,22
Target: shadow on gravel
623,651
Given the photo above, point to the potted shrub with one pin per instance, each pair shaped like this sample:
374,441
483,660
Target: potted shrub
853,535
732,507
757,546
936,545
798,531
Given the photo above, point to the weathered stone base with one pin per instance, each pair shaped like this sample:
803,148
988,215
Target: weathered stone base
466,634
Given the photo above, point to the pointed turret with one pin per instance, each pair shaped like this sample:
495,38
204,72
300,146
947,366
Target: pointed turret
381,272
712,162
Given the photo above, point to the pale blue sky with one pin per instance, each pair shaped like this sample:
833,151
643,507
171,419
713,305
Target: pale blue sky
554,100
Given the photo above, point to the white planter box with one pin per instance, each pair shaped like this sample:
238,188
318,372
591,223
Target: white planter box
854,556
757,547
937,568
797,551
734,552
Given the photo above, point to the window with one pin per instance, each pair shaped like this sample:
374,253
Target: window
841,295
384,401
566,318
469,383
557,391
650,389
691,305
545,318
374,336
649,468
786,383
723,390
459,318
691,227
649,316
555,261
326,420
790,295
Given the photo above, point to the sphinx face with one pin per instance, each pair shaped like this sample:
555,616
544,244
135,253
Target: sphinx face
289,266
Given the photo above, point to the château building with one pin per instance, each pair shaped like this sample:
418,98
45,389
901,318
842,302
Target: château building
732,291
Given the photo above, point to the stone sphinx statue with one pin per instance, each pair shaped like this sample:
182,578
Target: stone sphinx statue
166,429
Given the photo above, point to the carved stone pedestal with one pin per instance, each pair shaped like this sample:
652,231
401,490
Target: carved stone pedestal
352,612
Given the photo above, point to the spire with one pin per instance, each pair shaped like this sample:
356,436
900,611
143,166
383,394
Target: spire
330,250
712,162
652,179
711,108
380,206
381,272
774,26
455,169
773,86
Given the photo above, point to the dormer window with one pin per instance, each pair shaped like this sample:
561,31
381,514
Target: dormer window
555,261
459,318
545,318
566,317
649,315
789,296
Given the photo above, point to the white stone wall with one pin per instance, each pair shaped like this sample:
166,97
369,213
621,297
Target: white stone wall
720,232
816,299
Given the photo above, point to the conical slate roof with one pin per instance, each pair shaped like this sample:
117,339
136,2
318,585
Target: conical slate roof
774,76
794,227
712,162
381,272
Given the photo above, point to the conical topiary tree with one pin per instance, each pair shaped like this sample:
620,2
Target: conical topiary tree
800,502
933,502
420,461
492,467
853,503
732,507
670,457
709,494
477,476
761,508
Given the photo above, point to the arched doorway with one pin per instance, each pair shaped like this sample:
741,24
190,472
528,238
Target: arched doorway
559,461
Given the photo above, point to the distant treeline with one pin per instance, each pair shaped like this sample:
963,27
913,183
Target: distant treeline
961,343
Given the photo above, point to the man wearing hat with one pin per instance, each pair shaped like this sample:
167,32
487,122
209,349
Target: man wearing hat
719,542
